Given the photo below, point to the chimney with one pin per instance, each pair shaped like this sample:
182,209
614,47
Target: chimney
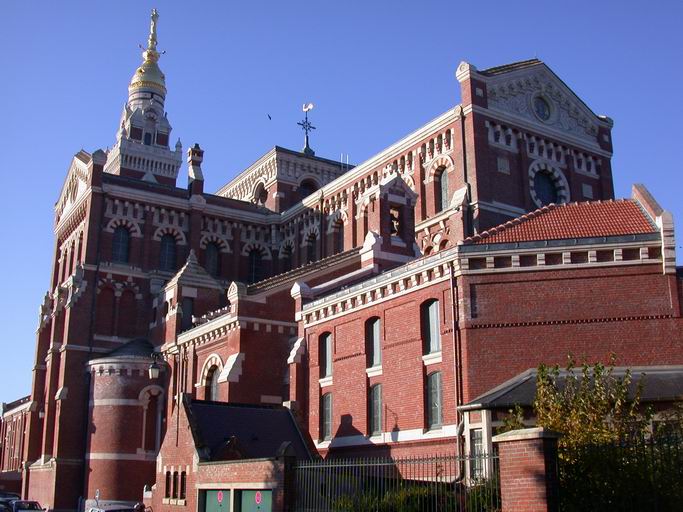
195,183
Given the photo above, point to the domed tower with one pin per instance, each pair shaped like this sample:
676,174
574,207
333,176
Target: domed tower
142,141
126,424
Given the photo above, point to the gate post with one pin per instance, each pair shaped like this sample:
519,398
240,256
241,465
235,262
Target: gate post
528,470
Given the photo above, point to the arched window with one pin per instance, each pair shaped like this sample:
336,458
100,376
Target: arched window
212,259
441,199
211,391
260,194
167,253
431,335
151,421
338,234
306,188
188,310
286,259
375,410
311,248
128,312
167,490
325,354
255,271
434,400
120,245
105,312
326,417
175,485
373,349
183,485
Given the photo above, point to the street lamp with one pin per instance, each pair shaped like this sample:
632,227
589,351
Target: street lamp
154,368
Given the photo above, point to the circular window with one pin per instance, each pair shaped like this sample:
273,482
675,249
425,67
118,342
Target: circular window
542,108
545,188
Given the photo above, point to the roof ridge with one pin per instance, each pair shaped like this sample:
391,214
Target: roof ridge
519,63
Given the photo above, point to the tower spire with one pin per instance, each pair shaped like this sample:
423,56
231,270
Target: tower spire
150,53
148,75
142,141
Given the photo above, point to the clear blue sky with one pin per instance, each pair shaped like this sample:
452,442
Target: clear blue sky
376,70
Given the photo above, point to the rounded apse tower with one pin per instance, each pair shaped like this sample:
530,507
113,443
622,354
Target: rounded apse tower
125,425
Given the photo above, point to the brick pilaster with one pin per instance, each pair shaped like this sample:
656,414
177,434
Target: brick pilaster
528,470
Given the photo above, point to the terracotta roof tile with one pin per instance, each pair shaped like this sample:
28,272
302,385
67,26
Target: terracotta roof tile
573,220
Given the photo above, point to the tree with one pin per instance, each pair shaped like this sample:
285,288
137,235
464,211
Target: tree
589,405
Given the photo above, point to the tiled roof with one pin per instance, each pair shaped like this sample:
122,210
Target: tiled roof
505,68
567,221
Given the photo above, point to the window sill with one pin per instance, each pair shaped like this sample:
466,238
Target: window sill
433,358
395,240
326,381
374,371
174,501
434,431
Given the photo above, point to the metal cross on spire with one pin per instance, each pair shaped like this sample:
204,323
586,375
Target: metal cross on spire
307,127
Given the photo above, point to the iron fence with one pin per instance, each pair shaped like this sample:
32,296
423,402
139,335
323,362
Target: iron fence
643,474
445,483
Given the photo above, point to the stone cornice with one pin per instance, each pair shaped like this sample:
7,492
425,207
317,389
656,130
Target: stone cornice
546,131
358,172
459,261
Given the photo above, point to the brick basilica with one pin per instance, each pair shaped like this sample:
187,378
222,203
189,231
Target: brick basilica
188,338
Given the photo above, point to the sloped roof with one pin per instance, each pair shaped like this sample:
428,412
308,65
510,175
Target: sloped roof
568,221
512,66
255,431
660,384
139,347
193,274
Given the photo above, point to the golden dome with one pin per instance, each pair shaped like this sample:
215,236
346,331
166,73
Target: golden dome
148,73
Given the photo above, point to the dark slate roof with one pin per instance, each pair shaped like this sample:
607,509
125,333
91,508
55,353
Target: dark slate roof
193,274
139,347
304,270
229,430
660,384
512,66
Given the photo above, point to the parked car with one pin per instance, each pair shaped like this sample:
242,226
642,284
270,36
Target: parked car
18,505
94,509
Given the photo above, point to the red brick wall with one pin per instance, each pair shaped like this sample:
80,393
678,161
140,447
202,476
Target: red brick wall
529,318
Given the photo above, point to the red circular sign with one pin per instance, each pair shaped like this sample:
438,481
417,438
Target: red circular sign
219,496
257,497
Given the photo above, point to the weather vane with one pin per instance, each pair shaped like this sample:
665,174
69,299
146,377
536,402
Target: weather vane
307,127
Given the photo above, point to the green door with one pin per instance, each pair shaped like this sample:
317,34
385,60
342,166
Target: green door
253,501
215,501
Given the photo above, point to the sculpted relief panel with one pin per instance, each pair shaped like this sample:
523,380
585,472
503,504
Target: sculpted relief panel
565,113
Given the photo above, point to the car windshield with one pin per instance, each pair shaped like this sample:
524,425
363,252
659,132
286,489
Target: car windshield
26,505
